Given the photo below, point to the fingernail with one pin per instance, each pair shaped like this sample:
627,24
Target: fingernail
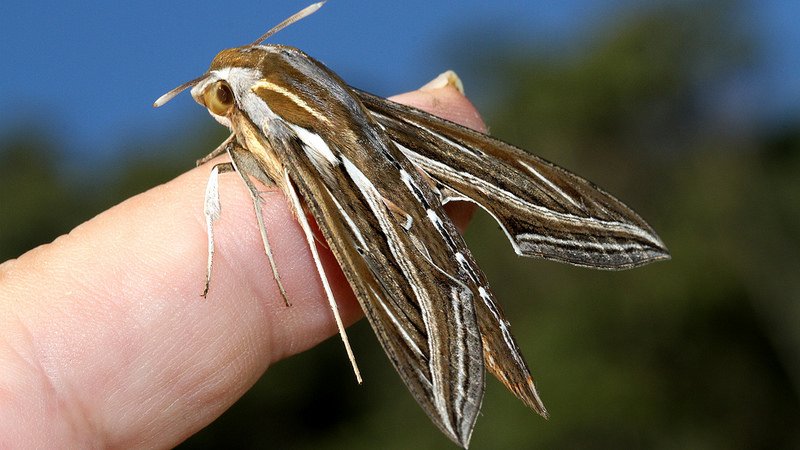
447,78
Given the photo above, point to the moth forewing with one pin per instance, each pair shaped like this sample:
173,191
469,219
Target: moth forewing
349,173
545,210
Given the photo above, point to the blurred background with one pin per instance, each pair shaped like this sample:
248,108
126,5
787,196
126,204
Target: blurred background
689,111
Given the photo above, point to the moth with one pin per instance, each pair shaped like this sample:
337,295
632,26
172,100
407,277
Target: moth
375,175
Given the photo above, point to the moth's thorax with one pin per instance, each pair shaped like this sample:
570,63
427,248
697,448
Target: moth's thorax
276,81
239,57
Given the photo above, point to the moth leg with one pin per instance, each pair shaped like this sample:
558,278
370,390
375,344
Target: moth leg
211,210
248,166
294,201
222,148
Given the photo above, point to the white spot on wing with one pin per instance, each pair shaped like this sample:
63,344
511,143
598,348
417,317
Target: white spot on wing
409,222
434,218
316,148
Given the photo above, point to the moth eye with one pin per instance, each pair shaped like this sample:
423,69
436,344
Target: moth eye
219,98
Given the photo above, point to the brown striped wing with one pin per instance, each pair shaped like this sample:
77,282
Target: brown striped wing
545,210
389,233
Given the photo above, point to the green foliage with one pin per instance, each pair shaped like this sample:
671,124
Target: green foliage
36,202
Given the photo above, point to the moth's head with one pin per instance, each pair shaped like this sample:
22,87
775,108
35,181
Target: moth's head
217,95
231,71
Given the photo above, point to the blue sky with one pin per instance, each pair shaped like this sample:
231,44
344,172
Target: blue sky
88,71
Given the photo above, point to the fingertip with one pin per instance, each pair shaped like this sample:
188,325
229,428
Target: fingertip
445,79
445,101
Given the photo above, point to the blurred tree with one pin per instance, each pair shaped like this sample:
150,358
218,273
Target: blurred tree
42,199
37,204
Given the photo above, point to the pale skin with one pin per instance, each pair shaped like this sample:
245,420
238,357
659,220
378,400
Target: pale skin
105,340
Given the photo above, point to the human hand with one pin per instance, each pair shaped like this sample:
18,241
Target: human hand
105,340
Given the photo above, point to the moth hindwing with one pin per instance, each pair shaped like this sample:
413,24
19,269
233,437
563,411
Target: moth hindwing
375,175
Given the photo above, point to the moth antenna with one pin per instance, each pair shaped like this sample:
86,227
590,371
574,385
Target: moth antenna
171,94
303,13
